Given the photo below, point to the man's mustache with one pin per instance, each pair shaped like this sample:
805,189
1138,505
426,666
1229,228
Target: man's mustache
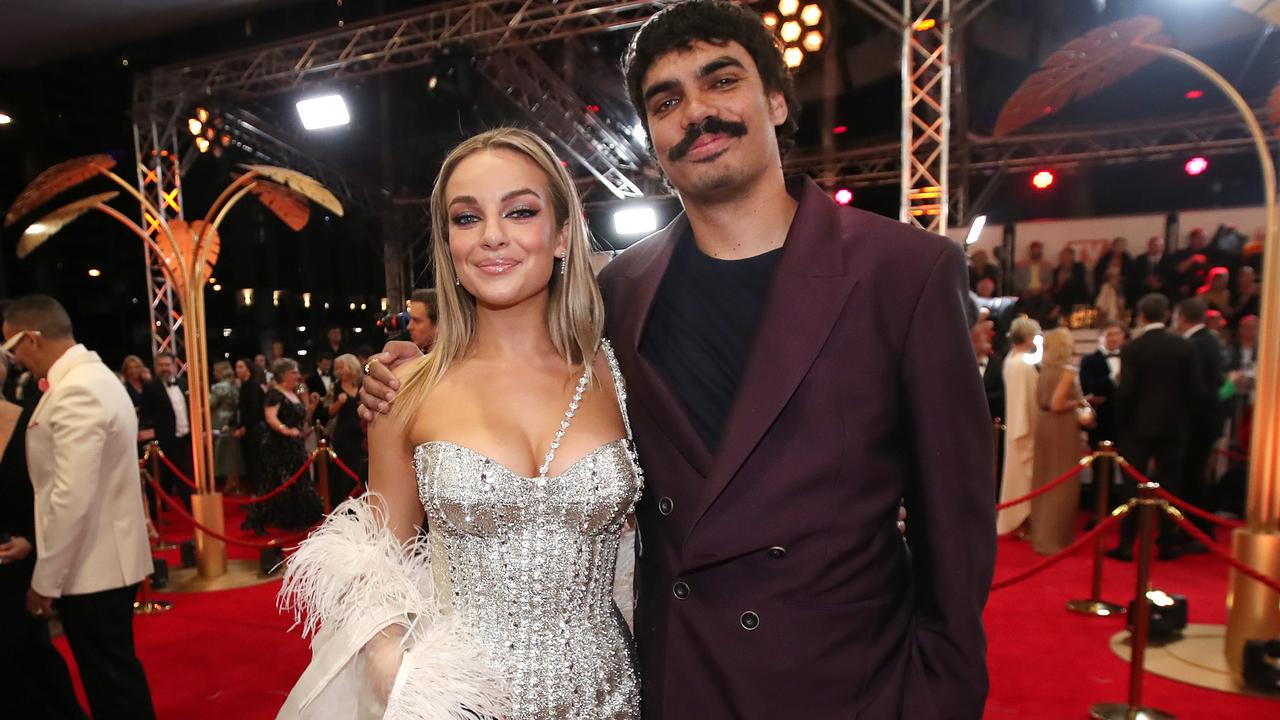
710,126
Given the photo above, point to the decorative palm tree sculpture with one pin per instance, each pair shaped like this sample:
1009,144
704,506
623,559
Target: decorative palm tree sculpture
1095,61
187,252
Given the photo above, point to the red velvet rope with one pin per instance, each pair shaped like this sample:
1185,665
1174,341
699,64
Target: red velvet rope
173,468
1051,485
176,506
1054,559
251,501
1199,535
1231,454
1183,504
355,492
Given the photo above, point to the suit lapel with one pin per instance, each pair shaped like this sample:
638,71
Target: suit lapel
651,386
808,294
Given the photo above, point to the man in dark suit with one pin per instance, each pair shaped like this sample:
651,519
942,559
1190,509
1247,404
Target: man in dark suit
990,365
795,368
166,410
1160,389
1099,377
1154,271
1206,422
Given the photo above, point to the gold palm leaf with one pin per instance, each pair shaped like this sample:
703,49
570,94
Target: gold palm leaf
304,185
184,238
49,225
1091,62
289,206
57,179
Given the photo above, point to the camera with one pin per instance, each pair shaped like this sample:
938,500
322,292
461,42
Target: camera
394,323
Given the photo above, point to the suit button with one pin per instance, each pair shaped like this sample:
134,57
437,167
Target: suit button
777,552
750,620
680,590
665,506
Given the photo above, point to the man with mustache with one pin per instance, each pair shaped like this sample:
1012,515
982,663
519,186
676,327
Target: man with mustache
795,369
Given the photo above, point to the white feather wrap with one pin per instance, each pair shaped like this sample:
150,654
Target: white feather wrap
347,582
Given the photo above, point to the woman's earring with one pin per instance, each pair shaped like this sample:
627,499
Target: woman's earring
564,265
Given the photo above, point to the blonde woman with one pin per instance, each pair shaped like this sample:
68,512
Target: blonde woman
1053,515
509,441
347,434
1020,420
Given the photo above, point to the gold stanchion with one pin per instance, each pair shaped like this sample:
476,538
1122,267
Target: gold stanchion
1147,505
1103,468
322,474
997,427
211,553
144,605
153,454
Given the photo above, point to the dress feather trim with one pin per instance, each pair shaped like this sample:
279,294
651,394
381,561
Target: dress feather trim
352,570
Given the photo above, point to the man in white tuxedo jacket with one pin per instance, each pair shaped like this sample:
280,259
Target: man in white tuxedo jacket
91,539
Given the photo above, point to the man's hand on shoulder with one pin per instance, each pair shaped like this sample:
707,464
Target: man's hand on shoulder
378,390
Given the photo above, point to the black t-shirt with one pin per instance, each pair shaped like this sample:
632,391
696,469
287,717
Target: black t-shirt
701,327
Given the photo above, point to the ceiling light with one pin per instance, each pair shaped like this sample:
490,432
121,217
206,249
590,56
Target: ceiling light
788,7
811,15
325,111
813,41
790,31
95,272
793,56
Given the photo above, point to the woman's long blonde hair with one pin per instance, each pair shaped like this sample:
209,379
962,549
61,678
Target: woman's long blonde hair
575,309
1059,346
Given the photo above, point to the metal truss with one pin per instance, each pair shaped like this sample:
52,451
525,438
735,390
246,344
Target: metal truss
548,100
159,171
1220,134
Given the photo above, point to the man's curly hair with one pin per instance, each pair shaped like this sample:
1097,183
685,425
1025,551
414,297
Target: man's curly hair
718,22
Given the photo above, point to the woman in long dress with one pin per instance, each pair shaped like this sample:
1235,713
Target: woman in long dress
1020,419
1058,445
348,437
509,442
288,421
224,401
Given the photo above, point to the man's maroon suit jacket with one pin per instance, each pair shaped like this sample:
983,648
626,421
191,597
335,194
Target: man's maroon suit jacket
773,580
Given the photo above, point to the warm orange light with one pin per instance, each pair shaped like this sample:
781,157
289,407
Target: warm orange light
788,7
770,20
202,144
925,24
202,115
793,56
195,126
813,41
811,15
790,31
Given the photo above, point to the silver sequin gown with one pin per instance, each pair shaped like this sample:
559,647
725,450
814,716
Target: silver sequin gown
529,564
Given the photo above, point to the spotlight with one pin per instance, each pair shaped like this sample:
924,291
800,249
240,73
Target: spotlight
5,118
1042,180
195,126
1196,165
324,111
792,57
925,24
432,82
630,222
812,41
95,272
246,295
790,31
788,7
975,230
844,196
202,144
226,332
839,129
306,300
275,298
770,20
302,328
217,287
811,15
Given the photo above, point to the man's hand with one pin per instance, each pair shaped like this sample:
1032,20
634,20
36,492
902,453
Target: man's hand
39,605
16,550
378,390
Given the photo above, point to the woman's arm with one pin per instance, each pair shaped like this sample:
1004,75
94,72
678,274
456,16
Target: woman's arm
392,483
273,421
1062,401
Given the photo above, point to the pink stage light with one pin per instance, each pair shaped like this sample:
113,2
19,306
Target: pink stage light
1194,94
844,196
1042,179
1196,165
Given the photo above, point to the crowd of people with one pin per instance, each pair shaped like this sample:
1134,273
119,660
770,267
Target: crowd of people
1170,382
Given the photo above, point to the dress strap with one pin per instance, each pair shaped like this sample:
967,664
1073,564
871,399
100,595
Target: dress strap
618,384
564,422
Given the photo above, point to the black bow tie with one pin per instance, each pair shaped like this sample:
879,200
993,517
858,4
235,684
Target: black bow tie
1113,355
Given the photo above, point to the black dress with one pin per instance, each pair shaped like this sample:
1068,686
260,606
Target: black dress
299,506
253,423
349,443
40,686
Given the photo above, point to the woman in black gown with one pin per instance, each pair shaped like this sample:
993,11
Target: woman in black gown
40,686
288,420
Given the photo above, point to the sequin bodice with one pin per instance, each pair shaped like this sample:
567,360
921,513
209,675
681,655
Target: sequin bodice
529,564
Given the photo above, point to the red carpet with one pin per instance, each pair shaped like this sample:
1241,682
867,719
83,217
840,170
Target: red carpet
229,656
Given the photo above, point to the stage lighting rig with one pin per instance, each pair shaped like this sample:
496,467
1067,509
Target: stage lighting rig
800,30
